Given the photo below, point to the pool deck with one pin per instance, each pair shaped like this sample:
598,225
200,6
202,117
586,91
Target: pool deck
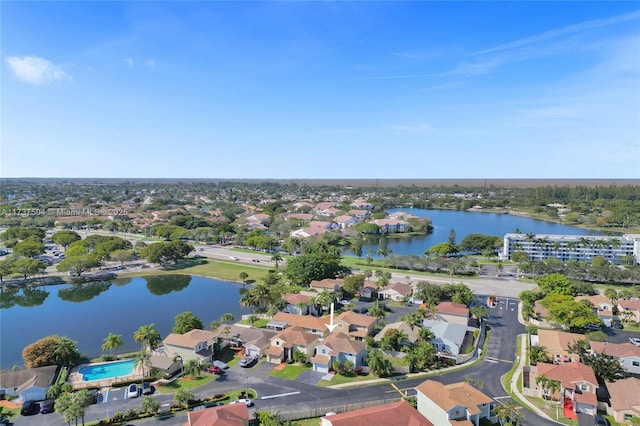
76,379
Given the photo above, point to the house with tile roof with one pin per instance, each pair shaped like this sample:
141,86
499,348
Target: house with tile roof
392,225
289,341
602,307
339,347
356,326
395,291
327,284
358,213
627,353
193,345
556,343
345,221
311,324
254,341
368,290
300,304
30,384
314,229
413,333
453,312
625,400
392,414
578,384
630,306
452,404
226,415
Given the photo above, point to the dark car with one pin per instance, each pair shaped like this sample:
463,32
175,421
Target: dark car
147,389
255,260
602,421
46,406
30,408
214,369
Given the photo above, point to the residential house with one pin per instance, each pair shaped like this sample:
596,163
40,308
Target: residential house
603,308
578,384
314,229
254,341
457,313
339,347
392,225
324,206
452,404
368,290
357,326
396,291
362,205
359,214
629,310
327,284
556,344
226,415
303,217
328,212
392,414
311,324
195,344
289,341
413,333
627,353
401,215
260,218
625,399
345,221
300,304
448,337
30,384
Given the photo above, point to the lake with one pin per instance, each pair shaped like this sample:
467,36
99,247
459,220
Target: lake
465,223
87,313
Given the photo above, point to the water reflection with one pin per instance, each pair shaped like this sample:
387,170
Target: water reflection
26,297
165,284
83,292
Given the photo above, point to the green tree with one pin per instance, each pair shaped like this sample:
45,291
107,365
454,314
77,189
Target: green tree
122,255
227,318
149,405
442,250
143,361
479,312
556,283
112,342
192,368
182,397
65,238
508,414
538,354
303,269
29,248
378,364
6,268
40,353
148,336
28,267
65,352
77,264
611,294
352,284
186,322
276,258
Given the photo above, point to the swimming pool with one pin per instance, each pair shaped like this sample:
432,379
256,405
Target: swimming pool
108,370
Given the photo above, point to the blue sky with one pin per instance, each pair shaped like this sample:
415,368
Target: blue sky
320,89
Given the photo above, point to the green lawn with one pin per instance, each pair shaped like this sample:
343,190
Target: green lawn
315,421
339,379
289,372
261,323
549,409
228,271
185,383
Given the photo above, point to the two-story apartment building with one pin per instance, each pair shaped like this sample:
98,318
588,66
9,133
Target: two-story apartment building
556,342
193,345
627,353
451,404
289,341
578,384
356,326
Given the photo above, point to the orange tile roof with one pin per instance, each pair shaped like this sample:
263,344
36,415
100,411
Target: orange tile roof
392,414
305,321
227,415
619,350
294,299
555,340
341,343
351,317
328,283
452,309
296,336
568,374
454,394
624,394
189,339
633,305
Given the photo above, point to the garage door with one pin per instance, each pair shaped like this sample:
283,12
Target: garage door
252,352
321,368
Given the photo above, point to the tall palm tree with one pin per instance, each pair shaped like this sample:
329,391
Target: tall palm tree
276,257
226,318
112,342
192,368
143,360
147,335
65,351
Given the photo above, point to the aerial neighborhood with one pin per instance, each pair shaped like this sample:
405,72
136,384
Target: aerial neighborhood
331,317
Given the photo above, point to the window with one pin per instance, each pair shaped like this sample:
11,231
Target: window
584,387
545,391
635,363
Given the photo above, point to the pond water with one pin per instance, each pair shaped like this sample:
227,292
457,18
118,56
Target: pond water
87,313
465,223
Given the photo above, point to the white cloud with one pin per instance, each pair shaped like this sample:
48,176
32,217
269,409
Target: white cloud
151,64
34,70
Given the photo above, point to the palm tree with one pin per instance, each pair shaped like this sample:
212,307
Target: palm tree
611,294
192,368
538,354
65,351
276,257
147,335
378,364
508,413
177,358
226,318
142,360
243,277
150,405
112,342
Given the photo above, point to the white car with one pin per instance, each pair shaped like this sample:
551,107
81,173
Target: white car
246,401
132,391
233,258
635,340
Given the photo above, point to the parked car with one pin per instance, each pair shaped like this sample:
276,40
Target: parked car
233,257
214,369
255,260
246,401
602,420
635,340
147,389
132,391
213,404
220,364
46,406
247,361
29,408
94,395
